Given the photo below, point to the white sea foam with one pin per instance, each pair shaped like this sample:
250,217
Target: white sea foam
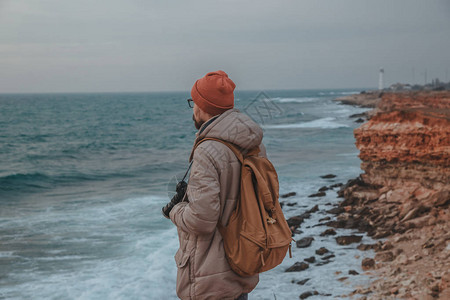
136,246
324,123
338,93
7,254
294,100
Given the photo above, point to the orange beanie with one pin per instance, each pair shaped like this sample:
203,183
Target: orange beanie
214,93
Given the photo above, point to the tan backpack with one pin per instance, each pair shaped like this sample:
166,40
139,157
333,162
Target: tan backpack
257,235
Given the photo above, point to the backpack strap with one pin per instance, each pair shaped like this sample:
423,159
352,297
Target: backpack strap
236,150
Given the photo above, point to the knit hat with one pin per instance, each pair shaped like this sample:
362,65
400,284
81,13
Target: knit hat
214,93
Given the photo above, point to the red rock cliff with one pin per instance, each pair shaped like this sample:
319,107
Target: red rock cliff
412,127
404,193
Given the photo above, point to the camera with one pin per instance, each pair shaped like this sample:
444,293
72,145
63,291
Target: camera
181,191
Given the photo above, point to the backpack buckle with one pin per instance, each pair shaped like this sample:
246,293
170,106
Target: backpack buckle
271,220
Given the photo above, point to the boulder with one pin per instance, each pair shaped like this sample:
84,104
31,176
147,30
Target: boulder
348,239
322,251
297,267
311,259
288,195
319,194
295,221
384,256
328,176
302,282
329,231
304,242
306,295
323,189
368,263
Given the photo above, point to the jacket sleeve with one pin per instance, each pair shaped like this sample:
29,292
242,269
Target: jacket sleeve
201,214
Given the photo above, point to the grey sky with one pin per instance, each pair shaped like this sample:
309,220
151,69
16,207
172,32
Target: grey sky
144,45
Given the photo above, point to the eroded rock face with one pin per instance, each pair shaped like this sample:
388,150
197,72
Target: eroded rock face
405,153
404,193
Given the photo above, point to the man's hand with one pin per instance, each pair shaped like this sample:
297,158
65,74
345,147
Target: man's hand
181,191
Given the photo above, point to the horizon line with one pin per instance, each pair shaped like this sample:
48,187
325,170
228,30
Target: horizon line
180,91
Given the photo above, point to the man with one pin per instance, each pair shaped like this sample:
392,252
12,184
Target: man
212,192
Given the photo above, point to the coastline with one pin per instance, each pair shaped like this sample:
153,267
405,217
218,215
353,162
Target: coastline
403,196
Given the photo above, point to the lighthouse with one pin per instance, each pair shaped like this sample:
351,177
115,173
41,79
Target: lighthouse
380,79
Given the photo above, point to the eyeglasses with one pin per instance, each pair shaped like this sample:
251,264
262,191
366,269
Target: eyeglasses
190,103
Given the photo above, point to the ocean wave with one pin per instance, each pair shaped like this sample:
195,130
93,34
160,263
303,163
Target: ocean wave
338,93
294,100
19,180
31,181
324,123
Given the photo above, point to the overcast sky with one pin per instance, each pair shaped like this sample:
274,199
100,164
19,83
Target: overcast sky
144,45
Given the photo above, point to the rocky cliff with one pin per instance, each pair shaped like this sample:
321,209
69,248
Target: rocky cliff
404,194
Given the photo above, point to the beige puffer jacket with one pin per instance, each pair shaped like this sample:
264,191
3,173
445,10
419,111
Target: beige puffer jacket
213,189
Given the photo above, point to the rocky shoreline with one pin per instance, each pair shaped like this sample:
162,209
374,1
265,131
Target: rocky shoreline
402,198
368,99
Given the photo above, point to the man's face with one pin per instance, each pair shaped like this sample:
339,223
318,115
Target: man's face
196,117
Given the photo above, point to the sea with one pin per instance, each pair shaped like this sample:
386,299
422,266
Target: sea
83,178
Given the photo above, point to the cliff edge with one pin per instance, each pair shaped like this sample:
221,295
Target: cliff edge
404,196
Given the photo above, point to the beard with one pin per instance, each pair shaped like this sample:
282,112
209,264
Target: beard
197,124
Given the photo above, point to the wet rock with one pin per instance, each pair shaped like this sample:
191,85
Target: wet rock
328,257
359,115
297,231
322,251
306,295
353,272
365,247
348,239
324,219
288,195
343,278
297,267
326,295
387,246
319,194
304,242
323,189
336,185
305,215
323,263
368,263
291,204
302,282
295,221
328,176
336,210
314,209
311,259
329,231
360,120
384,256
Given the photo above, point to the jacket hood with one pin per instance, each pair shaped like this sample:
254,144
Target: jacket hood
234,127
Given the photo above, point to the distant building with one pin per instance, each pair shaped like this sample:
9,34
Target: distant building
400,87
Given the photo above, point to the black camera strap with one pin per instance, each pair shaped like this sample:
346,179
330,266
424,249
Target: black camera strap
187,171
